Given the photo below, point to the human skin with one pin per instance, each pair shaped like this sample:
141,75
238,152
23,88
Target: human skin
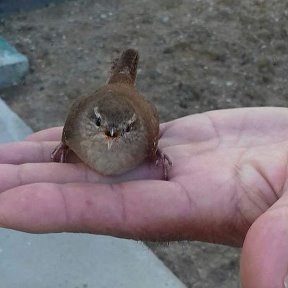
228,184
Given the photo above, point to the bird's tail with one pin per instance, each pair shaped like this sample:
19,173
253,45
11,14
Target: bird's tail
124,69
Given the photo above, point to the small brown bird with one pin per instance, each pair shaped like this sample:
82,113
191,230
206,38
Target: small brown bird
115,129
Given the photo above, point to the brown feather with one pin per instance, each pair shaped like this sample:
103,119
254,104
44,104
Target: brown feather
124,69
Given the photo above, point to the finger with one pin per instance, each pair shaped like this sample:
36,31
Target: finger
255,120
50,134
264,261
214,125
192,128
26,152
154,210
17,175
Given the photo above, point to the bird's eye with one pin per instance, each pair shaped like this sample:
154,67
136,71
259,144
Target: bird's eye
131,124
98,121
129,127
96,117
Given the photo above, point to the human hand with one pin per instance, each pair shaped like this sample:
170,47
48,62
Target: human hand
227,185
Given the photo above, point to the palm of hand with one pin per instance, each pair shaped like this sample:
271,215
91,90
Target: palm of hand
229,167
220,159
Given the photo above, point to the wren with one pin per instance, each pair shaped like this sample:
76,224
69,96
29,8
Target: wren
114,129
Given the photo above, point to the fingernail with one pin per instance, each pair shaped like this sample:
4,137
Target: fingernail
286,281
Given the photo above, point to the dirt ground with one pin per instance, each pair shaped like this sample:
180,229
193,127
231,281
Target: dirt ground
195,56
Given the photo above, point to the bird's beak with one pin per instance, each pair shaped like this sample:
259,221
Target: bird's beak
109,143
111,134
111,131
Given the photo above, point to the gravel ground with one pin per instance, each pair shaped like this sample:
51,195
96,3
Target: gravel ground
195,56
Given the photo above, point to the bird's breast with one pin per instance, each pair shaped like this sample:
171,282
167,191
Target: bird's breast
120,158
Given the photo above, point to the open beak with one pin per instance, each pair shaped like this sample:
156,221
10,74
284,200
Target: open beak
111,136
111,131
109,142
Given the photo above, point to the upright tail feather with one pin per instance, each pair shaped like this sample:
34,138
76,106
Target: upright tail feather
124,69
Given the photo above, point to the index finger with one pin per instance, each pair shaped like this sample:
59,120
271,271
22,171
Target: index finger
50,134
141,210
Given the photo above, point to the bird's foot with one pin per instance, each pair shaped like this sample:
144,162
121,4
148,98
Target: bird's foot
60,153
164,161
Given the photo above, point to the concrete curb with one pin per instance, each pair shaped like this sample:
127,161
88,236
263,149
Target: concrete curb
11,6
12,128
13,65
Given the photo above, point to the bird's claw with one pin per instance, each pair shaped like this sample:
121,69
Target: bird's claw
165,162
60,153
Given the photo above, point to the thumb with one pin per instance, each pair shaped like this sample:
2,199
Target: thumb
264,259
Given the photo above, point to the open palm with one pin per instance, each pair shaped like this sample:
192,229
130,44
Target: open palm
229,177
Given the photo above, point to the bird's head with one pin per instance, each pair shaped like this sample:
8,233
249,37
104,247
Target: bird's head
113,123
